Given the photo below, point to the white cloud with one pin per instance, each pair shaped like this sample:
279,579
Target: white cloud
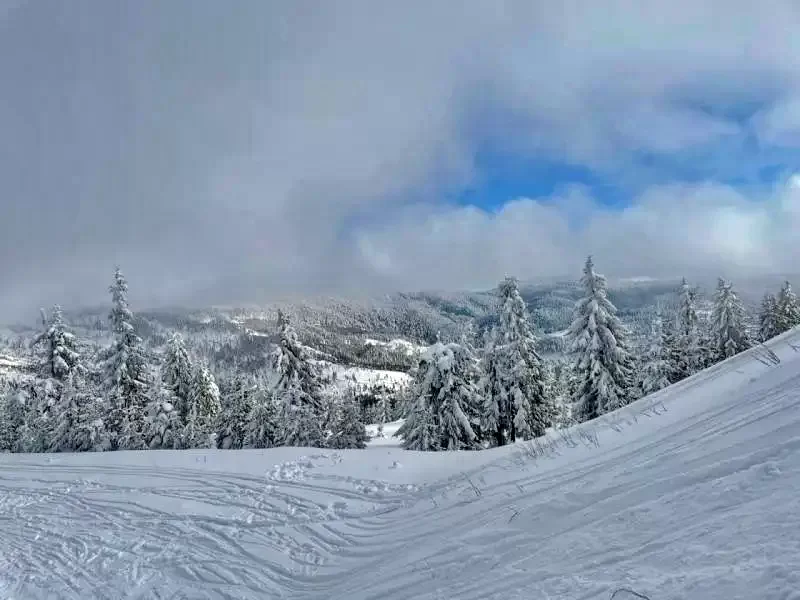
300,146
670,230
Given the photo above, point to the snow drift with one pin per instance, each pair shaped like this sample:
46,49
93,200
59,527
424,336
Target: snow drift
690,493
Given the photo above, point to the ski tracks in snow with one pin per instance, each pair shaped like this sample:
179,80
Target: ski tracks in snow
129,531
698,501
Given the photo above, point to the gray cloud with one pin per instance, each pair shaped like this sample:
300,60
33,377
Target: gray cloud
242,152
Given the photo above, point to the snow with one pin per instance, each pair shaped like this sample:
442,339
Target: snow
409,348
394,380
388,439
690,493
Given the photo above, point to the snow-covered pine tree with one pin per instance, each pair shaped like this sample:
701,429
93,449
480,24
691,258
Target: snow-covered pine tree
204,407
657,365
12,418
514,382
297,390
197,432
670,341
788,309
297,376
67,415
301,423
599,344
490,401
60,355
205,394
261,428
420,430
768,318
163,428
36,432
688,335
126,372
728,322
237,405
178,373
347,429
445,386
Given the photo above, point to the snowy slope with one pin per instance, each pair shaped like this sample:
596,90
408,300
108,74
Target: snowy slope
347,376
688,494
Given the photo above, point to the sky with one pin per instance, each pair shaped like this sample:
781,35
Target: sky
242,152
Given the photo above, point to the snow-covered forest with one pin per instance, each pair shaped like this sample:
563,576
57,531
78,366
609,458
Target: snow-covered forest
495,371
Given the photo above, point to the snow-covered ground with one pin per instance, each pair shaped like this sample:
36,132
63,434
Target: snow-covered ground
385,437
348,376
397,344
688,494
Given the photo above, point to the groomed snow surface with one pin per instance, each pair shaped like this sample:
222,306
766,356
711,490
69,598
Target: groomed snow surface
693,493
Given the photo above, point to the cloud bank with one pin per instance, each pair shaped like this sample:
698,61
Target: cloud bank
231,153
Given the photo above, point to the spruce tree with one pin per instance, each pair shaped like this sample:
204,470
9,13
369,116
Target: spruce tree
126,372
205,394
438,419
347,429
768,318
729,327
514,382
657,364
599,344
297,376
163,428
67,415
178,374
688,341
12,418
237,405
300,422
788,309
60,355
261,428
297,391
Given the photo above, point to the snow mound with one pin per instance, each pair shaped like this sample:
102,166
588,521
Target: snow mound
690,493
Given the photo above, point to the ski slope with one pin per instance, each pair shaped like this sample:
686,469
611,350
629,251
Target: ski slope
692,493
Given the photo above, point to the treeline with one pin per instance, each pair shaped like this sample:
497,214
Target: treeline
463,398
489,387
127,397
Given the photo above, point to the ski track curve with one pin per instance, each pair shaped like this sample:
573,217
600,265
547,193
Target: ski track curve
686,496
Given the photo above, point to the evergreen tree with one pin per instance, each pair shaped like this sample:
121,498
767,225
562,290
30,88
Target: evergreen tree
163,428
768,318
438,419
598,339
657,365
514,381
300,421
197,431
788,309
67,415
729,322
126,372
671,346
60,356
261,428
178,374
36,432
688,335
204,396
12,418
297,376
92,434
347,429
237,406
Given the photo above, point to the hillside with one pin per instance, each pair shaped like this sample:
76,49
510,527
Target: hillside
689,493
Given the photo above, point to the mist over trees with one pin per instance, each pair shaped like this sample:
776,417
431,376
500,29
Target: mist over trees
483,371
